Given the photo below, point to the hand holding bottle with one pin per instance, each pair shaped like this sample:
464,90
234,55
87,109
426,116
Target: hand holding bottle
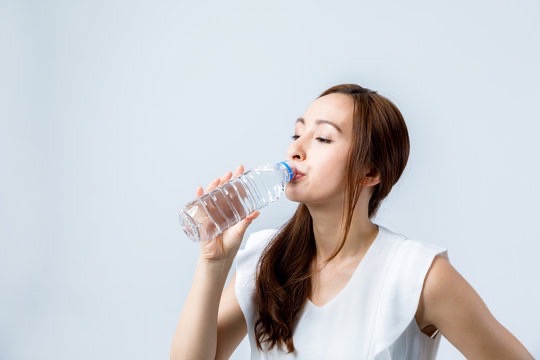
227,201
225,245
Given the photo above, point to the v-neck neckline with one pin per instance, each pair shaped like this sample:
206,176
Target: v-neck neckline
355,273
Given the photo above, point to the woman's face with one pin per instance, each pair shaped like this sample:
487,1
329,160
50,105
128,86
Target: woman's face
319,151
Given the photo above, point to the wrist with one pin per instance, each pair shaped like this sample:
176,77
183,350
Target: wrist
219,266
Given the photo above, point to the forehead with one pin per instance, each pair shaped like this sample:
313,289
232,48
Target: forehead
337,108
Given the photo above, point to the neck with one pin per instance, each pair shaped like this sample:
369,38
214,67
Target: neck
328,229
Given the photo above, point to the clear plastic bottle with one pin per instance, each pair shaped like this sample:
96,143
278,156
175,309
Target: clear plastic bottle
213,213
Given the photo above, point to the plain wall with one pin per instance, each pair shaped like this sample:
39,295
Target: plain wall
112,112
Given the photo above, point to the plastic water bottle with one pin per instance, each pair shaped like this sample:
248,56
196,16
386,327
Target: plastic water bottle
213,213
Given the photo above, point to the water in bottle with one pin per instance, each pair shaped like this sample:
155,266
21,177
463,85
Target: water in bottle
211,214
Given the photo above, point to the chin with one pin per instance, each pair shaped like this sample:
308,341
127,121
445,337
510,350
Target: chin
297,198
293,195
293,198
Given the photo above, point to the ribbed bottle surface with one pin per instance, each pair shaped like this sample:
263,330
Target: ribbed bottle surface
211,214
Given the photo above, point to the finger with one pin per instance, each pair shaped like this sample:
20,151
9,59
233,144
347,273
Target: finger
212,185
199,192
242,226
239,171
253,216
226,177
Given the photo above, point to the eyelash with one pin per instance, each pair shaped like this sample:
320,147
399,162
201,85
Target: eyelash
320,139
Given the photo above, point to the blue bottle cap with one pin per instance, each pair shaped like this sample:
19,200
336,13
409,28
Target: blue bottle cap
289,170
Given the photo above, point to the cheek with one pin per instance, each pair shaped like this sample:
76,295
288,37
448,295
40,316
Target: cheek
332,175
336,173
335,164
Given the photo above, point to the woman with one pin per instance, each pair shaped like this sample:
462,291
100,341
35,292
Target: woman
331,284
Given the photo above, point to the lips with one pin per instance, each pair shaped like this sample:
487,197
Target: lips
298,175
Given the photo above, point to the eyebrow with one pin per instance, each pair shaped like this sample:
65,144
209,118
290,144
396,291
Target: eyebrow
319,122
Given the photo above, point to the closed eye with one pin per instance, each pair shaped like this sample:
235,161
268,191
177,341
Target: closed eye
319,139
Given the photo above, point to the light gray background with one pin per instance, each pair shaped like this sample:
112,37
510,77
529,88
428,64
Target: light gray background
112,112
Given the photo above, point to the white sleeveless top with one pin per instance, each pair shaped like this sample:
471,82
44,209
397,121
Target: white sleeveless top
372,317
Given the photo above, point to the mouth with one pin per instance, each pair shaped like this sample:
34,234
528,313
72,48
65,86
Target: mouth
298,175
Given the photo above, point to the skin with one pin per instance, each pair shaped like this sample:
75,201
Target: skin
212,325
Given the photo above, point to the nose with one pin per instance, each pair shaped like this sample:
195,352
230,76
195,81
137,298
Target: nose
297,150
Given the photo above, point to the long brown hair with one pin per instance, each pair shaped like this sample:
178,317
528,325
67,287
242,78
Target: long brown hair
283,283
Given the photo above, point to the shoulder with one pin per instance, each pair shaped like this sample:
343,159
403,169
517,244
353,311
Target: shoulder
415,248
409,250
407,263
412,259
443,287
441,278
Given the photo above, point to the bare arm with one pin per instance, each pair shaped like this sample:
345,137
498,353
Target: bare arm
196,333
232,327
453,306
211,324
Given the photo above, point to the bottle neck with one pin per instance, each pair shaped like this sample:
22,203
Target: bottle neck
287,171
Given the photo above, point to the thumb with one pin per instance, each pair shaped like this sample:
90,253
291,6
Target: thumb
243,225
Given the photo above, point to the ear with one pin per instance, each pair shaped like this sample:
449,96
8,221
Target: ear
371,178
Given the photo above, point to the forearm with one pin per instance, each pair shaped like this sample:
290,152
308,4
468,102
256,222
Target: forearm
196,332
